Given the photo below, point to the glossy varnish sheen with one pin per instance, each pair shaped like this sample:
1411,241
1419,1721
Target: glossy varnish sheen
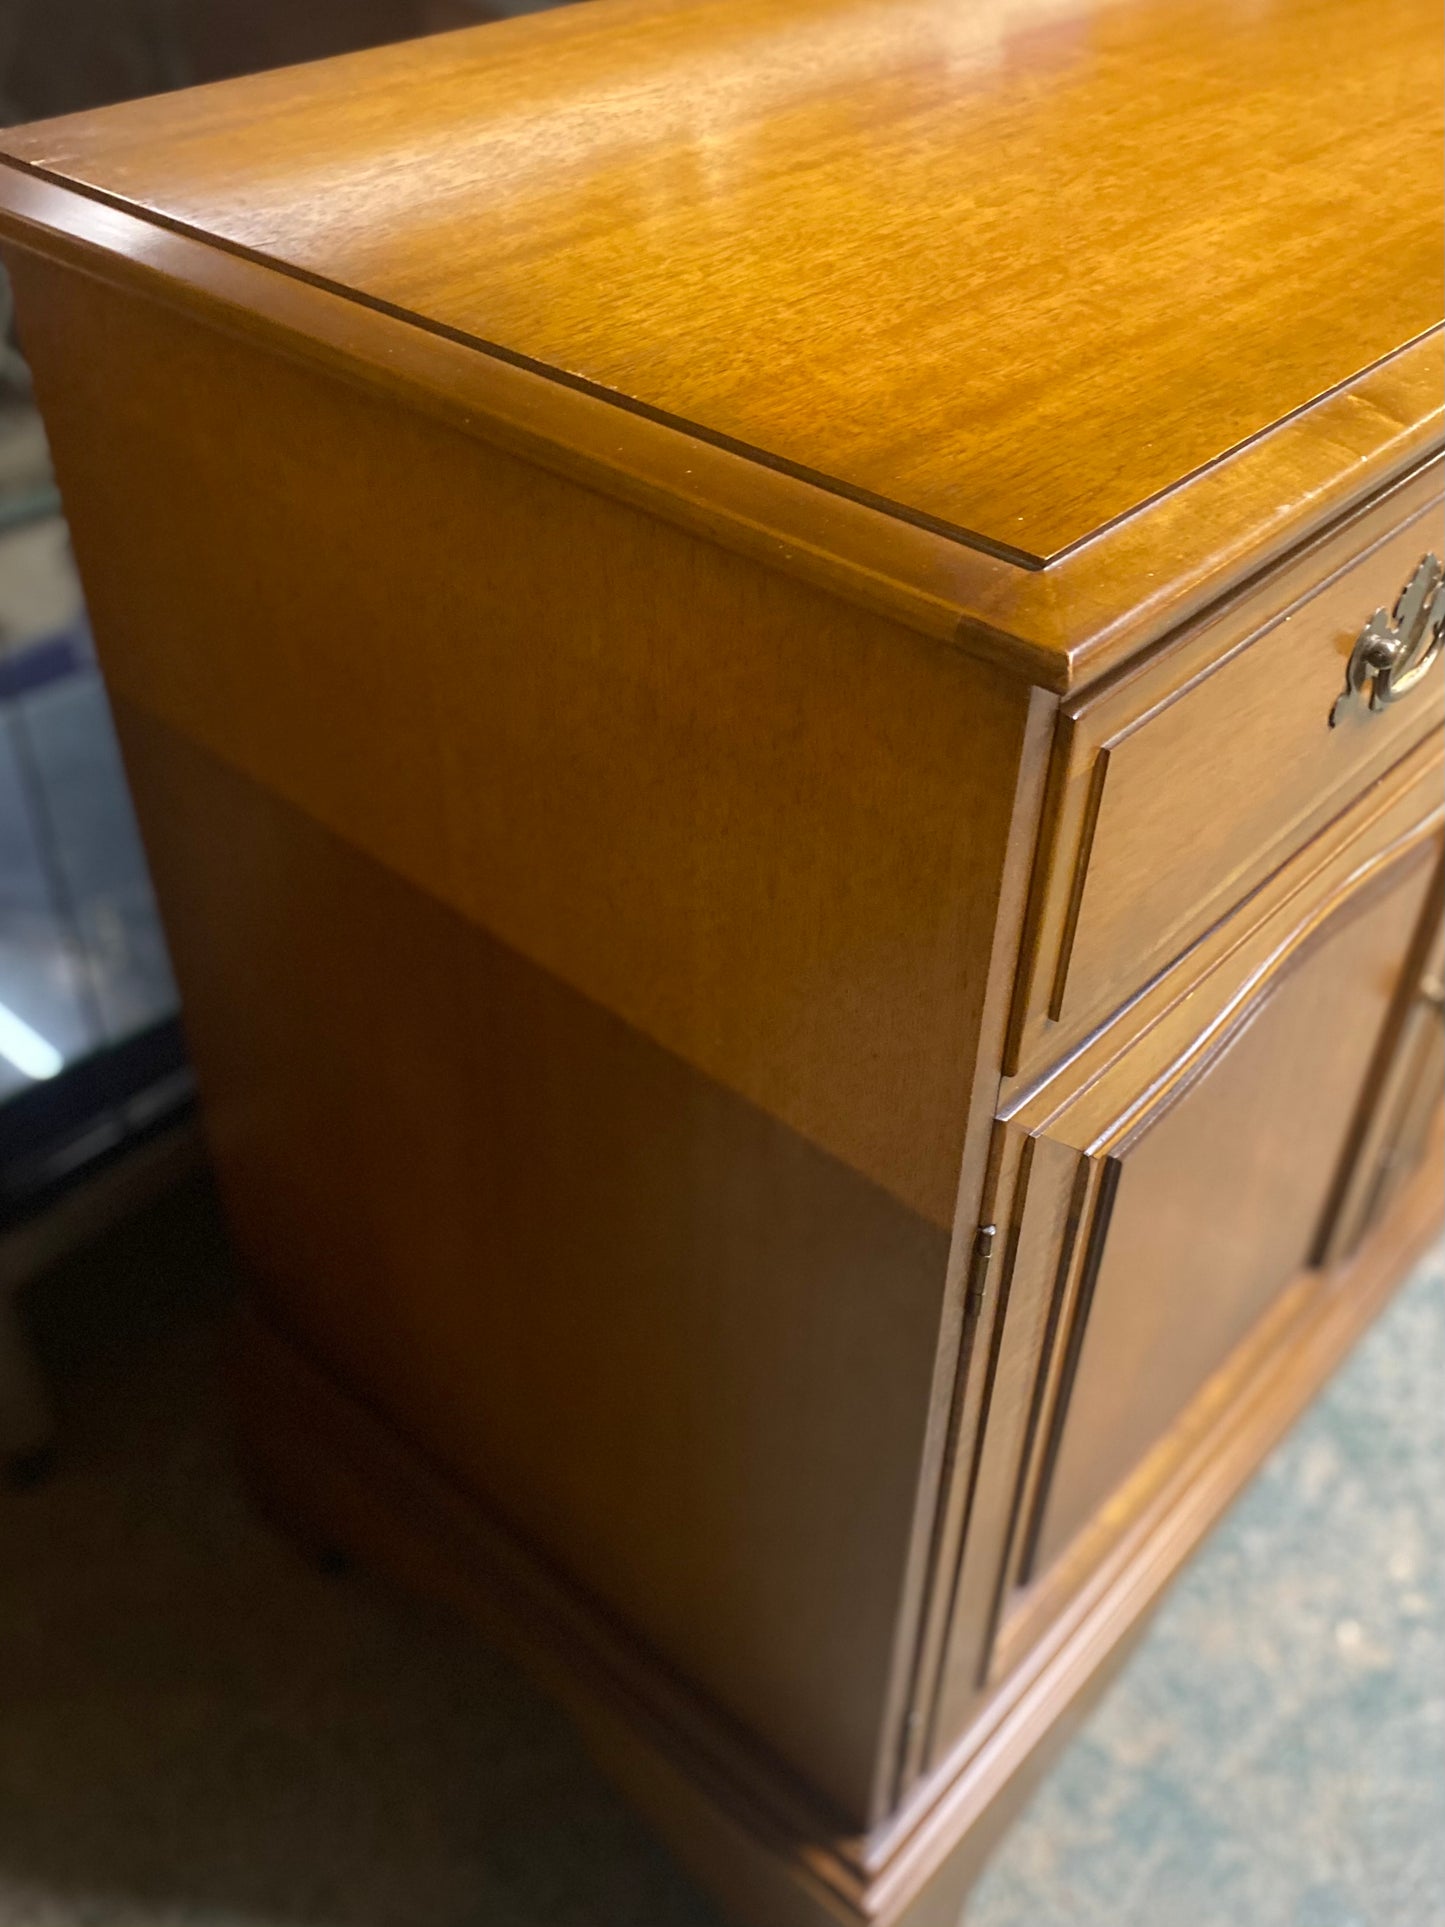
1012,268
600,864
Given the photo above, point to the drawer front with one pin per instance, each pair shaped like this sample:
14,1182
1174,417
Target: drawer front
1161,1204
1182,788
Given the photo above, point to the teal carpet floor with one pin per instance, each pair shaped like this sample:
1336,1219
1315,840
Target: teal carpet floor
198,1730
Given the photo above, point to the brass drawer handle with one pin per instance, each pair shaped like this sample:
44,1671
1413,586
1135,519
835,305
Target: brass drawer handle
1393,653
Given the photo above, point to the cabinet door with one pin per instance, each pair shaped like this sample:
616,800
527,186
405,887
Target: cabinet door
1399,1122
1163,1209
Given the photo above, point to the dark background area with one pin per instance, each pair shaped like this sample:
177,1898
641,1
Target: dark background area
58,56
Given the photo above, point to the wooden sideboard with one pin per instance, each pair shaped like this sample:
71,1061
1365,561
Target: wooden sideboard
778,663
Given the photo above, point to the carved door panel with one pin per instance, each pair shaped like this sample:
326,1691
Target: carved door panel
1162,1206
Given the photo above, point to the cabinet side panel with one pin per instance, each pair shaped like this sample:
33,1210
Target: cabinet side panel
584,935
763,826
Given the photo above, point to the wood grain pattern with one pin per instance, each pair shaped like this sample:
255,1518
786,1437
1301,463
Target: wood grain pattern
764,222
1057,628
633,764
338,1476
686,1355
595,737
676,576
1220,1192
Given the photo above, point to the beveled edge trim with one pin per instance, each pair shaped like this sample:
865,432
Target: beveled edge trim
1101,1216
909,574
1146,577
1058,627
1070,1268
1076,1083
1426,478
1074,902
1350,898
1364,1163
954,1381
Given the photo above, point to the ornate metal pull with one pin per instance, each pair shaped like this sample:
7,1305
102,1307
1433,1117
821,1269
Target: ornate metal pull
1394,652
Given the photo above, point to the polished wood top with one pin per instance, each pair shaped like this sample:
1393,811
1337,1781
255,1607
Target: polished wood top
1011,268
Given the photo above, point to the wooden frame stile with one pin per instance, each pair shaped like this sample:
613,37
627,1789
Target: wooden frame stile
954,1404
975,1520
1397,1106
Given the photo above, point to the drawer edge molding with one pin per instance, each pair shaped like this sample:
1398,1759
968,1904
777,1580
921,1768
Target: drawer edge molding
1401,793
1122,890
